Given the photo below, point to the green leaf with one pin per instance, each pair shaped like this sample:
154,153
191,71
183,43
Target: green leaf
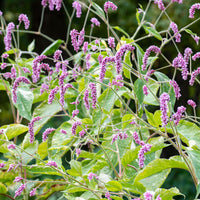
4,85
42,150
190,32
140,55
3,188
150,98
153,32
39,169
126,69
24,102
76,168
13,130
167,194
52,48
7,177
150,118
158,165
126,119
121,30
108,97
156,180
31,46
99,10
138,88
138,16
194,155
136,188
113,186
129,156
73,189
165,86
45,111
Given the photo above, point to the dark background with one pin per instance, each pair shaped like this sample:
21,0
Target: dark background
56,23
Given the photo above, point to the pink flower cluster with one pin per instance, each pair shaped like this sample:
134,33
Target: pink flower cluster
25,19
107,195
193,9
179,62
120,136
148,74
57,55
103,66
52,3
74,127
111,42
118,81
174,27
179,114
77,6
32,192
36,68
160,4
87,57
16,84
119,54
147,53
18,179
85,47
93,89
52,163
108,5
95,22
19,190
30,127
91,176
144,149
176,89
76,43
46,133
145,90
164,98
191,103
194,75
8,36
178,1
86,99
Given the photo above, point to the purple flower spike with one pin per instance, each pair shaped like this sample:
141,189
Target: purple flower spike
52,163
191,103
176,89
174,27
145,148
25,19
91,176
78,152
63,131
147,53
160,4
57,55
16,84
46,133
95,22
119,54
108,5
18,179
87,57
107,195
194,75
93,94
75,113
85,47
2,165
179,114
52,94
111,42
103,66
30,127
19,190
77,6
74,127
193,9
195,56
32,192
148,195
145,90
164,98
178,1
11,146
187,54
86,99
8,36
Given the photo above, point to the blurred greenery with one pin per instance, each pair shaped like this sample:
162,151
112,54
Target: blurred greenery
55,25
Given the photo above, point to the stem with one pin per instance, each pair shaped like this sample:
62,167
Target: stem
41,19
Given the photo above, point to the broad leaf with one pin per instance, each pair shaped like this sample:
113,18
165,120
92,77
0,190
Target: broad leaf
153,32
52,48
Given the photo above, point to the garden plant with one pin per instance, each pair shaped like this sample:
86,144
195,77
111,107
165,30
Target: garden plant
113,104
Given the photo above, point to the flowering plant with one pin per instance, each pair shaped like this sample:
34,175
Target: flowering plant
93,124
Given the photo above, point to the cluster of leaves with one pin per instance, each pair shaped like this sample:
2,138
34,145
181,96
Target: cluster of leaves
119,109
